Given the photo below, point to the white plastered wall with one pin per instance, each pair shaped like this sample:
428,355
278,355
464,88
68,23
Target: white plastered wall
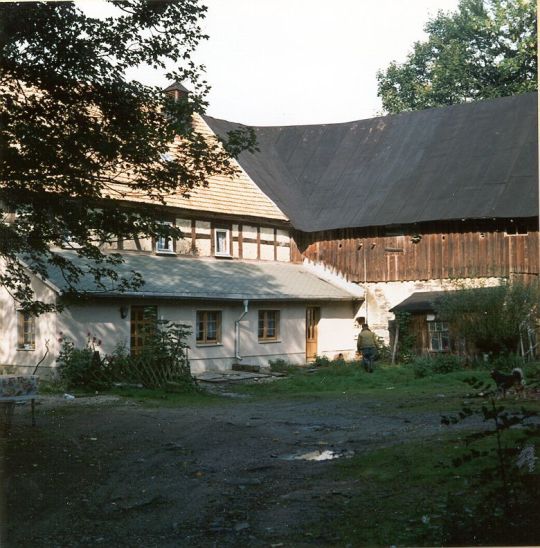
183,245
101,320
335,334
291,345
337,330
13,359
283,242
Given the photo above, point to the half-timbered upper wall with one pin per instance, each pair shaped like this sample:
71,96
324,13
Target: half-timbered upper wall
242,240
455,249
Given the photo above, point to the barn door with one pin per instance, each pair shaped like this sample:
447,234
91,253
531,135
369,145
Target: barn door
313,313
143,321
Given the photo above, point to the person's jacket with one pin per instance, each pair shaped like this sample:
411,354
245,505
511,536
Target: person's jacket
366,339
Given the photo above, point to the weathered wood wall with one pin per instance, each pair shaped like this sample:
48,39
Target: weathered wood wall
457,249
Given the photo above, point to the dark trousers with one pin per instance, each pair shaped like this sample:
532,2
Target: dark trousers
368,357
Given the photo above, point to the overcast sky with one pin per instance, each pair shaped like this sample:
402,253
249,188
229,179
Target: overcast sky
280,62
306,61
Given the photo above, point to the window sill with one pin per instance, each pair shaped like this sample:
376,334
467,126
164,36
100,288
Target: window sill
223,256
165,252
26,349
269,341
203,345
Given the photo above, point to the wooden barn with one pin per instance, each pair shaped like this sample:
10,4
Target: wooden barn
411,202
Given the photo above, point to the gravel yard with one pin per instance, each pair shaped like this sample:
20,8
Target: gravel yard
108,471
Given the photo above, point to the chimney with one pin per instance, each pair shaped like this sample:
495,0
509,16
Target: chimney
176,90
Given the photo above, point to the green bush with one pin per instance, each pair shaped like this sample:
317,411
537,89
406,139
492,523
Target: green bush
162,363
497,319
406,340
81,367
499,506
322,361
440,364
506,362
279,365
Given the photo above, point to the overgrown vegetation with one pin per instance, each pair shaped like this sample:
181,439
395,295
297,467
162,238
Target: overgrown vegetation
492,325
503,507
424,366
279,365
494,320
162,362
406,339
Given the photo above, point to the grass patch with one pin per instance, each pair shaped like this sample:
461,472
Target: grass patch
383,512
402,493
396,384
388,383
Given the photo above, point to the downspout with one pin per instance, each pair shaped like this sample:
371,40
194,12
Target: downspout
237,331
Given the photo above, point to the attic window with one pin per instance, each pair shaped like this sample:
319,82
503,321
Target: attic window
394,231
222,242
516,229
165,244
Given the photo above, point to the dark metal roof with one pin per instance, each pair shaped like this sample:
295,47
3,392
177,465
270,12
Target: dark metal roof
475,160
419,302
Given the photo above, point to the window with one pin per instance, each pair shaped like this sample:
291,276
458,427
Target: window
221,242
165,244
439,338
268,325
26,336
208,327
516,229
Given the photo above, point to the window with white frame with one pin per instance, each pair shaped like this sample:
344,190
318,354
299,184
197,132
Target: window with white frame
439,337
26,330
222,242
208,329
268,325
165,244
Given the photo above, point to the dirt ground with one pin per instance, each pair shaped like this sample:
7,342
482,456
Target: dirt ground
106,471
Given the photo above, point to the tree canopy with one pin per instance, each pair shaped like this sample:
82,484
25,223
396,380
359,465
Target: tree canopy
486,49
77,135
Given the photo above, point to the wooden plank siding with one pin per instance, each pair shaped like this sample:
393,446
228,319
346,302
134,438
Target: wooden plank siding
456,249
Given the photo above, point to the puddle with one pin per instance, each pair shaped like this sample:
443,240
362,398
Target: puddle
319,455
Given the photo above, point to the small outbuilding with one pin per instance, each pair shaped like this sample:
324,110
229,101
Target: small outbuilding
431,334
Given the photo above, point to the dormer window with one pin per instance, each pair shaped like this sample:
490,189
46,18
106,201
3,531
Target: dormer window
222,242
165,244
516,229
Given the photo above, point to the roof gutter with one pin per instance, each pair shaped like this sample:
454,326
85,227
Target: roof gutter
237,331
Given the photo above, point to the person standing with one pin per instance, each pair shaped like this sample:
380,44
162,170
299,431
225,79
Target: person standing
367,345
